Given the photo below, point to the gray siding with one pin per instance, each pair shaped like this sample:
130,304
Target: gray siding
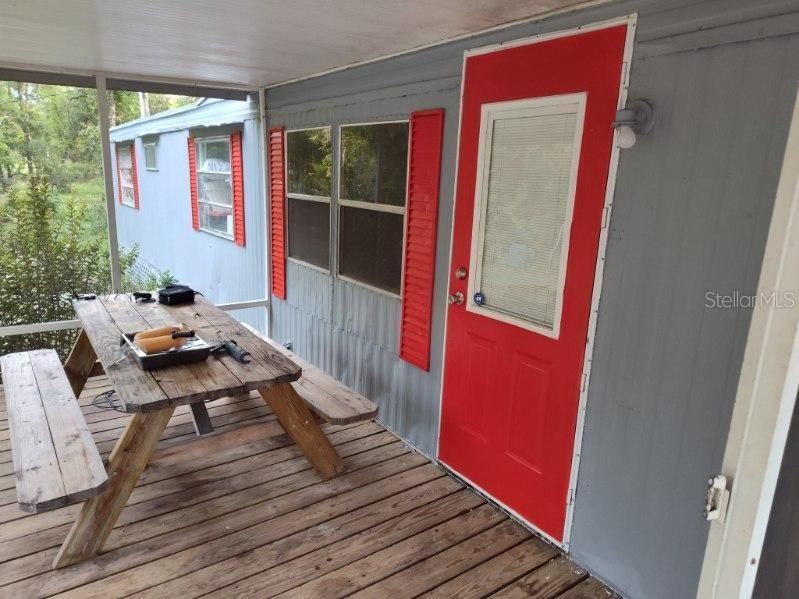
161,227
691,213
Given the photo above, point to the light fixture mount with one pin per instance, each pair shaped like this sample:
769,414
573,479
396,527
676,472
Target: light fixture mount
637,115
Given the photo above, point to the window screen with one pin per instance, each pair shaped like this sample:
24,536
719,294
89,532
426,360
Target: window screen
125,168
371,247
151,156
309,226
374,161
309,157
214,185
526,212
310,162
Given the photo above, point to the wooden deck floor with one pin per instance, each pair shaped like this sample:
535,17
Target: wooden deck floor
239,513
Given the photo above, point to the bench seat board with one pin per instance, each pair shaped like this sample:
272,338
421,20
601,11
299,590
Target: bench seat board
55,459
329,399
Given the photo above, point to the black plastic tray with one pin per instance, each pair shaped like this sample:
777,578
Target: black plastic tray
194,350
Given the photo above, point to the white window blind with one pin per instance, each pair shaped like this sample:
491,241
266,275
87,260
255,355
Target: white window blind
526,213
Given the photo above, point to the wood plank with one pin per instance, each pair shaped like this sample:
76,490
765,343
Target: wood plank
80,362
133,386
211,375
298,422
240,528
451,562
186,488
99,514
496,572
38,477
546,582
215,326
589,589
164,514
177,382
80,465
426,504
330,399
201,419
382,562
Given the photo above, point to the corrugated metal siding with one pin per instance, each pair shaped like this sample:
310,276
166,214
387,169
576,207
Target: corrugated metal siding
691,214
162,227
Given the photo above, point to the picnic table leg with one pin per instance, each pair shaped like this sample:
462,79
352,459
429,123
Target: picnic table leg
201,418
80,362
298,421
99,514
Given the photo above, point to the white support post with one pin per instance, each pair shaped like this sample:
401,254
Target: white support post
108,176
268,206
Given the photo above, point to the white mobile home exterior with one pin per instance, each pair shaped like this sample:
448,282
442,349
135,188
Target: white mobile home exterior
161,224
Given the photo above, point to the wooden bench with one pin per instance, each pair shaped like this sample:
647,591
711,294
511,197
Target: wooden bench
329,399
56,462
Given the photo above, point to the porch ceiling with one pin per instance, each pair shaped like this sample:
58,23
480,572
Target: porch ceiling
236,42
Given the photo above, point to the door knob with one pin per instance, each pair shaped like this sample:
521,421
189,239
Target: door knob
456,298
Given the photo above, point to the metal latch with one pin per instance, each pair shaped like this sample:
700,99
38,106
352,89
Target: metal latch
717,498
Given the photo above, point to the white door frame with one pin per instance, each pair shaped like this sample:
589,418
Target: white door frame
764,401
631,21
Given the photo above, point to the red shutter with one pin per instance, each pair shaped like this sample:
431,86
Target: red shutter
195,207
277,202
424,156
134,175
119,176
238,187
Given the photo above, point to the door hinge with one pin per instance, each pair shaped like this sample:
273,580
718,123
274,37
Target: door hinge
717,498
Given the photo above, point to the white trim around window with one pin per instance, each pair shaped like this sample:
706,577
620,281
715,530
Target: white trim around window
199,143
490,113
374,206
154,146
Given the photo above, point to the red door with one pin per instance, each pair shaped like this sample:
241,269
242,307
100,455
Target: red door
535,150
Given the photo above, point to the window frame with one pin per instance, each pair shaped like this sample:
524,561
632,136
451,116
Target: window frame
198,141
132,153
309,198
154,144
490,113
374,206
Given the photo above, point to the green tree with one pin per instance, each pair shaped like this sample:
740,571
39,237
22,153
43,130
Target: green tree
46,261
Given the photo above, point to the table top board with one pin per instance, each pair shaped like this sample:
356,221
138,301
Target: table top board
106,318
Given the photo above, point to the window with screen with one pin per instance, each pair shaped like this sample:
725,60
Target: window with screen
373,173
151,156
309,159
126,180
214,185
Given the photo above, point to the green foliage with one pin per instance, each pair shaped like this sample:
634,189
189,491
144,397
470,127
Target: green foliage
47,258
310,162
53,223
374,160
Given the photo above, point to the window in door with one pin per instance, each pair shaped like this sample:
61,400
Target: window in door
309,157
372,182
526,175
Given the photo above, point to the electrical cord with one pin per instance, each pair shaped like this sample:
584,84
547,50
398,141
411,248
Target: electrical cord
104,402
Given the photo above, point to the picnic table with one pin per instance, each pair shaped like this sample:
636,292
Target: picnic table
152,397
